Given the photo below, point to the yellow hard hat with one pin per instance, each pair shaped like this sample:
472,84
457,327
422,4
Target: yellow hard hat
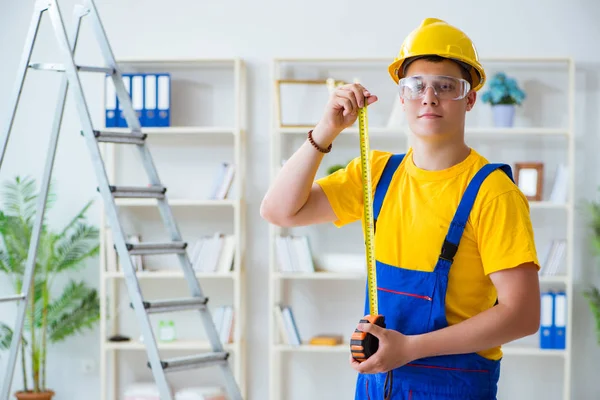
437,37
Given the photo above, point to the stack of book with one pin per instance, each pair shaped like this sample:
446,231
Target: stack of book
213,253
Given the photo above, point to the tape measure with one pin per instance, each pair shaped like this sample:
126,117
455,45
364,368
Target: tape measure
363,345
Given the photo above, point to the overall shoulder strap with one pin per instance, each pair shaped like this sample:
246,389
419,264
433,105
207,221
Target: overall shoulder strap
457,226
384,183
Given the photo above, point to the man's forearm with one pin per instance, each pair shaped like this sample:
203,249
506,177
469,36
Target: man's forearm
291,188
493,327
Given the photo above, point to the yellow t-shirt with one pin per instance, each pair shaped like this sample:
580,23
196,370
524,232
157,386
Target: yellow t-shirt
411,230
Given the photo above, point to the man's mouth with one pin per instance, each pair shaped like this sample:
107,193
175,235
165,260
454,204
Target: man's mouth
430,115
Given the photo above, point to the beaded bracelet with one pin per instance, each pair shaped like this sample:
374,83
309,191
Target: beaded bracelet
316,146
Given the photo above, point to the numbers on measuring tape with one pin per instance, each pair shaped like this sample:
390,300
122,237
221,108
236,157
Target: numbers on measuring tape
368,209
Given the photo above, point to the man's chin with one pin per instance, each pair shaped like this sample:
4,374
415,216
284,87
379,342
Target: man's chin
430,134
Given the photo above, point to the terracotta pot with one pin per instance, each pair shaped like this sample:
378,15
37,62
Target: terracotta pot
47,395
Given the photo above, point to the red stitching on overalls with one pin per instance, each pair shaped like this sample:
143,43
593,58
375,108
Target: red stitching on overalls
405,294
368,397
410,394
448,368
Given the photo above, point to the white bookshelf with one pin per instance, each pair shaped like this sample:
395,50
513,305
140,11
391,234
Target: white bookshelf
208,127
309,293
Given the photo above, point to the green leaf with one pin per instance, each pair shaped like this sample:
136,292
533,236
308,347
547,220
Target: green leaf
6,335
78,218
19,198
75,248
593,297
77,308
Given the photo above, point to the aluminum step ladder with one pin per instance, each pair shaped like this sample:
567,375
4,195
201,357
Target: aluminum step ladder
142,308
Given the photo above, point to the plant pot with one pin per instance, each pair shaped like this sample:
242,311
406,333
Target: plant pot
47,395
504,115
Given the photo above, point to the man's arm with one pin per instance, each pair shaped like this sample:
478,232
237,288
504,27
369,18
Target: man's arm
516,315
294,199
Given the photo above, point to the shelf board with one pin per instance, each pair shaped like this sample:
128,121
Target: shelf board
320,275
548,205
488,131
553,279
311,348
180,130
345,348
202,345
177,202
174,274
531,351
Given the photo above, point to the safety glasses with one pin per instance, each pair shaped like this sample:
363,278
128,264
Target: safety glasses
444,87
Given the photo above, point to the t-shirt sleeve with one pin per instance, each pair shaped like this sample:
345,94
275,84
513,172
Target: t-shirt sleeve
505,233
343,188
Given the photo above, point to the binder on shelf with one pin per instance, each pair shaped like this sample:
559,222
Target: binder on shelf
560,320
164,99
553,321
150,114
547,329
110,103
137,94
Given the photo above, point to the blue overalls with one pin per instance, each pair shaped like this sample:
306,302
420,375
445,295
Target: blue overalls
413,302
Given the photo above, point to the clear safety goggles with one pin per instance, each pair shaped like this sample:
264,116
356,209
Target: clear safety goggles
444,87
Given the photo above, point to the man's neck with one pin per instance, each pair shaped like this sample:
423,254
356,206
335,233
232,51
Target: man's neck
436,156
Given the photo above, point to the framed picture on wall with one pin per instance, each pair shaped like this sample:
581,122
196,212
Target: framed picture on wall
300,102
529,177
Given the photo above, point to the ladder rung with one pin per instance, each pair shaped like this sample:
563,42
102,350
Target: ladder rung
154,192
156,248
116,137
191,362
12,298
163,306
61,68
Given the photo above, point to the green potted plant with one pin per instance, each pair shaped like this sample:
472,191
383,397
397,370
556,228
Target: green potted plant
49,319
503,94
592,294
333,168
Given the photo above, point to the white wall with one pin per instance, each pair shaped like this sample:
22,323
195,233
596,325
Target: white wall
258,31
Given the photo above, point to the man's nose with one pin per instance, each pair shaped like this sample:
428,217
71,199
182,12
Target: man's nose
430,97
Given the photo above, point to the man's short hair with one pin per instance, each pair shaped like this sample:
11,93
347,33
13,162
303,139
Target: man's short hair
464,68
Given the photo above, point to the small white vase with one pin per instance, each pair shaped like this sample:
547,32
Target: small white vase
504,115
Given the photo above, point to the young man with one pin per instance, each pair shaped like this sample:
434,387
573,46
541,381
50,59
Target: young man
448,307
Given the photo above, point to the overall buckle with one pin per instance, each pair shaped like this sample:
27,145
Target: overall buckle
448,251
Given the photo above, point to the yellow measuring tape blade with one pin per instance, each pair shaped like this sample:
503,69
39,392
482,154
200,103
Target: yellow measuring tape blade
363,129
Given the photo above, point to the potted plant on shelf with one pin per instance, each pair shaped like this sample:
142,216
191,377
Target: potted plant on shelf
592,294
334,168
49,319
503,94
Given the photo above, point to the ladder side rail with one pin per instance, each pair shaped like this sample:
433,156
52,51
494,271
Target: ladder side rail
29,273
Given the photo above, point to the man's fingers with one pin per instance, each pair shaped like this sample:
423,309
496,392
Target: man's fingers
375,330
369,366
371,99
349,95
359,94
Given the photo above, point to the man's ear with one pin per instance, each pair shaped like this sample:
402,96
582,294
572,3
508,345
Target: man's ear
471,99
